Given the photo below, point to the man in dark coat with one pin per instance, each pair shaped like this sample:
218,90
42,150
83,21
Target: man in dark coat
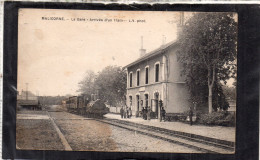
130,112
145,113
127,112
148,113
163,114
122,112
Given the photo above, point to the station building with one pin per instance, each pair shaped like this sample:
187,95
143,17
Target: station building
157,76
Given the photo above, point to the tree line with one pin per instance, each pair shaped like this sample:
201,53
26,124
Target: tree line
52,100
109,84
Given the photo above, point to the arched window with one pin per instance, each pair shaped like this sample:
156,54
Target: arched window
131,79
157,71
138,77
146,74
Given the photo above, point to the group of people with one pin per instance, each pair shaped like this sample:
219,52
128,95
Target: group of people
146,113
126,112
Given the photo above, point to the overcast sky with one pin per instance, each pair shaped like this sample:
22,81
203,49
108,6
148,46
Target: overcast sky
53,55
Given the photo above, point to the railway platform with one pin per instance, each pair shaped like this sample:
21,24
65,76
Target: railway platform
205,132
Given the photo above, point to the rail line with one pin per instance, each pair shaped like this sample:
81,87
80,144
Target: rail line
197,142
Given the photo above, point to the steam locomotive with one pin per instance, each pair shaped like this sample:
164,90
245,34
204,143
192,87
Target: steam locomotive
83,106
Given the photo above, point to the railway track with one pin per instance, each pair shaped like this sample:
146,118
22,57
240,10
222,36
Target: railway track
199,143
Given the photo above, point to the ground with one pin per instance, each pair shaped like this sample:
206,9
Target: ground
37,134
35,131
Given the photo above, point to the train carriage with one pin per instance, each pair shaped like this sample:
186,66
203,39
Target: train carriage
71,104
83,106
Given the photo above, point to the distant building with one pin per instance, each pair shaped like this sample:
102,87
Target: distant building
26,95
156,76
27,100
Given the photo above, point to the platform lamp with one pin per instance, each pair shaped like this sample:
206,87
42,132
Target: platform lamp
195,107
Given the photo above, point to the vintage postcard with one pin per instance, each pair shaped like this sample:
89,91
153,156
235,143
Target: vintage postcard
126,81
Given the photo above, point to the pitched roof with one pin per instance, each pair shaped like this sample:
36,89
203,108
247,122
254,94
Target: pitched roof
29,93
152,53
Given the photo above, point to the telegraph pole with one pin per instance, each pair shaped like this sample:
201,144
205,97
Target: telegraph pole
26,91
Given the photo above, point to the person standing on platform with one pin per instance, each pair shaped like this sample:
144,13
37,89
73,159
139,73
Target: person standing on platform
122,112
130,112
148,113
143,113
127,112
163,113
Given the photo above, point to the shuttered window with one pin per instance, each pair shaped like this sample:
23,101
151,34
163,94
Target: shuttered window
146,75
157,68
131,79
137,78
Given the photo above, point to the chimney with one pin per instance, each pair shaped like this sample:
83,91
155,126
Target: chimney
180,24
142,50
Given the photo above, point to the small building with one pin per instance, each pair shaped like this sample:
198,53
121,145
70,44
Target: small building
157,76
27,100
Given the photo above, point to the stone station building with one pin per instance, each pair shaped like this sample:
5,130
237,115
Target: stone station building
157,76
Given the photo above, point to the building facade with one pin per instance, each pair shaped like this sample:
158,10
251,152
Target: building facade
157,76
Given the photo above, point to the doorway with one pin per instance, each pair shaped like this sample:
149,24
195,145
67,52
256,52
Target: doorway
137,105
156,100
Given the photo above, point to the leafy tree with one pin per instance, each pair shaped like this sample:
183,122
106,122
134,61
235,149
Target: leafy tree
111,83
87,85
208,52
230,92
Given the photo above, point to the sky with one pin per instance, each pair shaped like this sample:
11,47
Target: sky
54,53
56,47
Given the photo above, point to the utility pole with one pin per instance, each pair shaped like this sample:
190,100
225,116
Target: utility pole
26,91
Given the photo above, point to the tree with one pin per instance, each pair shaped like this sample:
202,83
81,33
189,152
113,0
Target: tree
208,50
230,92
87,85
111,83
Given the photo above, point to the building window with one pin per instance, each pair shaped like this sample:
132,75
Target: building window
138,77
157,68
146,100
131,79
146,75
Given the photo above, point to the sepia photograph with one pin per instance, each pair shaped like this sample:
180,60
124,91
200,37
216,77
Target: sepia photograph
126,81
